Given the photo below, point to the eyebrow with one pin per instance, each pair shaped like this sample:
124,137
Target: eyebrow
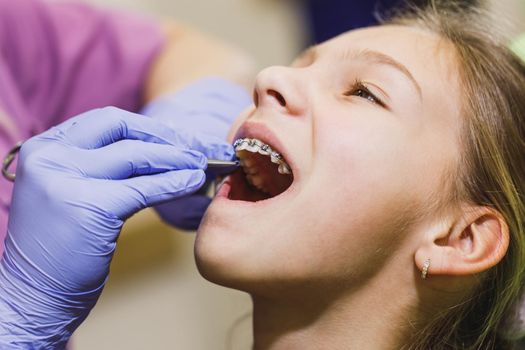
381,58
374,56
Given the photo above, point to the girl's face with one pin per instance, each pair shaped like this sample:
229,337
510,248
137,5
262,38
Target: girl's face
369,124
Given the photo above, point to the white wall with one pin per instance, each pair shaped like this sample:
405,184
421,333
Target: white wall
269,29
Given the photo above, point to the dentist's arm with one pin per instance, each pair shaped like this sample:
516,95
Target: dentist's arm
76,185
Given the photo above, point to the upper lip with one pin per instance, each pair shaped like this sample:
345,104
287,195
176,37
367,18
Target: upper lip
263,133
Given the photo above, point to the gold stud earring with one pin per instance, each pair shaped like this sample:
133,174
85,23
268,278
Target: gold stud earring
424,271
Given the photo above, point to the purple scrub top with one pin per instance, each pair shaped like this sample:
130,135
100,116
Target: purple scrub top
59,59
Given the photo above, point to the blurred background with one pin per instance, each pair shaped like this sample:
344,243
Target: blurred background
155,298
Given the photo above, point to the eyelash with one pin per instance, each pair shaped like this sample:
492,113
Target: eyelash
359,86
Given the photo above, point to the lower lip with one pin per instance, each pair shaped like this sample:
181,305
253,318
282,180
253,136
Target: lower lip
224,189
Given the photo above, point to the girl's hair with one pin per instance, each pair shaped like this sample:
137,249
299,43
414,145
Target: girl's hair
491,171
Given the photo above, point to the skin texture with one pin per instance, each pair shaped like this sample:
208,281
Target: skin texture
335,261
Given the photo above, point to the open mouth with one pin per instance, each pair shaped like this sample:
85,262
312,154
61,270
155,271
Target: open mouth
264,172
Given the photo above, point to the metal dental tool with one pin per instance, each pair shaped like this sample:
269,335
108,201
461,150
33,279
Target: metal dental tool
222,167
214,163
8,160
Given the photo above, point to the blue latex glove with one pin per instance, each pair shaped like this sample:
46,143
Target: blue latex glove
208,106
76,185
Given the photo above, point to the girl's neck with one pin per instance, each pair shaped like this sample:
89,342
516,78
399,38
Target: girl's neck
364,320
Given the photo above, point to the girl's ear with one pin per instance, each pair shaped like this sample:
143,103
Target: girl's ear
466,246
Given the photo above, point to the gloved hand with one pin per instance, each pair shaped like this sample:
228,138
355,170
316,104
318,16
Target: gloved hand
76,184
208,106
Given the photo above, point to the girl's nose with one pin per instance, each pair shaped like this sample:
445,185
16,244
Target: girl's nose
279,87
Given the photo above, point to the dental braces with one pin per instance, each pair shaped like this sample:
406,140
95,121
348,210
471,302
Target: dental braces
257,146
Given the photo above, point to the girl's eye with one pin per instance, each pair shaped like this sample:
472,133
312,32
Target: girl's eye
360,90
364,94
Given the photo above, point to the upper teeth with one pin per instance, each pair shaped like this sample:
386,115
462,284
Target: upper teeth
257,146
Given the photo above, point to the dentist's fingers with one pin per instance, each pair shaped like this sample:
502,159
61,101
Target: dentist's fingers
146,191
212,147
130,158
102,127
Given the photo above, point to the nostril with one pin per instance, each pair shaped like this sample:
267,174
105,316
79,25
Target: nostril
278,97
255,98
